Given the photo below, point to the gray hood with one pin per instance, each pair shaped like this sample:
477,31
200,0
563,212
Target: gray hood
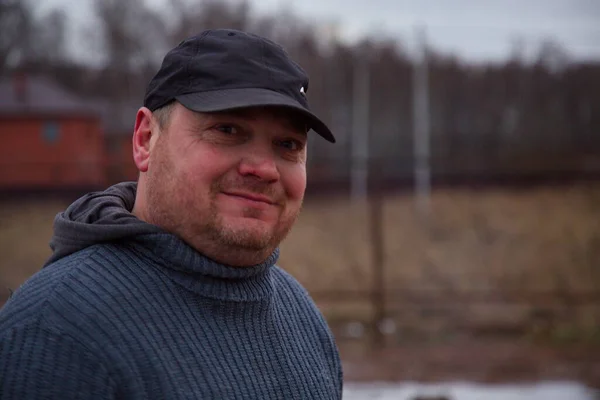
96,218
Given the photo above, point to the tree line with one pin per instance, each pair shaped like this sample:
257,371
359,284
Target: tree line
509,118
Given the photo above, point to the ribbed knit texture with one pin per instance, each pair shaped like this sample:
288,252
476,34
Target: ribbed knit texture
148,317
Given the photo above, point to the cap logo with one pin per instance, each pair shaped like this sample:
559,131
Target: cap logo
302,91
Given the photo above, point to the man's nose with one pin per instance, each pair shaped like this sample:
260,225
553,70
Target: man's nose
261,164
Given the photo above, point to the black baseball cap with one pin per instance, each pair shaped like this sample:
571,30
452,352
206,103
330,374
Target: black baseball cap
225,69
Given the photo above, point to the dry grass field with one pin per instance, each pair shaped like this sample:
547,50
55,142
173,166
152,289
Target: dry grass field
25,231
517,244
494,240
538,240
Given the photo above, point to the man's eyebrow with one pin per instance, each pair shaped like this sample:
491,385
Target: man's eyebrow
291,120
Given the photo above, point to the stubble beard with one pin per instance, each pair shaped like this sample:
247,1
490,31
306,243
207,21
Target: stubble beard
243,238
174,206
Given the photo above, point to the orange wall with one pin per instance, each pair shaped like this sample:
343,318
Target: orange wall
75,158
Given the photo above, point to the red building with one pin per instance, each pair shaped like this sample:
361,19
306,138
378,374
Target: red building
118,124
49,138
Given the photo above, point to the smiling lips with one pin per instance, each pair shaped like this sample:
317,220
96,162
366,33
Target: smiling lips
252,197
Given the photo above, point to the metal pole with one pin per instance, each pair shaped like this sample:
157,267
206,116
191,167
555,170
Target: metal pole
378,293
360,129
422,172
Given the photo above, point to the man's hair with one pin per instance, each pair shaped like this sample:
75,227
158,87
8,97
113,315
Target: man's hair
162,115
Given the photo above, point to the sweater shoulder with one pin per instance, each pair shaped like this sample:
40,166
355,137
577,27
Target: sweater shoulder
292,292
289,282
64,295
300,305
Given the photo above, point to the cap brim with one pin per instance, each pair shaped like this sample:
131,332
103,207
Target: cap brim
230,99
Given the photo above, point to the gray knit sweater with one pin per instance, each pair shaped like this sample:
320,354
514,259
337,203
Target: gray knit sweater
125,310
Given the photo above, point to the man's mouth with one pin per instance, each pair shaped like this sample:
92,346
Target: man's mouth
251,197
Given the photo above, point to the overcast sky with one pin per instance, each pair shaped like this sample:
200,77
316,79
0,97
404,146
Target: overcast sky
474,29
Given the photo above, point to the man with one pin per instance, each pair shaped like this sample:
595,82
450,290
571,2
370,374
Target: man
168,288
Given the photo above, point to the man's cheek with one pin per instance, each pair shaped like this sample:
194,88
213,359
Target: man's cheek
297,187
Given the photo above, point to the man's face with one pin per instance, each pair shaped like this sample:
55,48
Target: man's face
230,184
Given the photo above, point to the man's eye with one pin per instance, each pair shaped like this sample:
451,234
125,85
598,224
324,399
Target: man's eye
228,129
292,145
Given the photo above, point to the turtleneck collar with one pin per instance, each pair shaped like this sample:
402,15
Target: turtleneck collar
105,217
204,276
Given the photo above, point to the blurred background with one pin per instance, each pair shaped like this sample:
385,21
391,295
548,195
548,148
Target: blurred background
452,235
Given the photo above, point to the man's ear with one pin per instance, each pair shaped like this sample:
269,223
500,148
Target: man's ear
144,136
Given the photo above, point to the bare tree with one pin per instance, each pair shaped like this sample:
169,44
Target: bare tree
133,37
49,37
15,31
483,118
191,17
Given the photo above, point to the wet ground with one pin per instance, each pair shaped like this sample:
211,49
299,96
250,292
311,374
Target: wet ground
488,363
469,391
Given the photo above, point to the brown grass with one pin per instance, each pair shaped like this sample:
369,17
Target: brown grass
537,239
542,239
25,231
